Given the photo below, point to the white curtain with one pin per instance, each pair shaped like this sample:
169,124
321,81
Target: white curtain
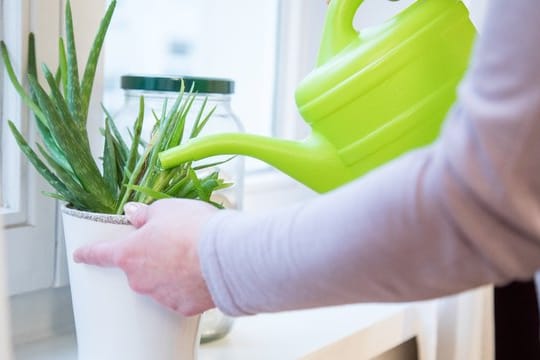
457,327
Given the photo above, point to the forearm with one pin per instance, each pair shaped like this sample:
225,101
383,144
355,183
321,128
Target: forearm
461,213
383,238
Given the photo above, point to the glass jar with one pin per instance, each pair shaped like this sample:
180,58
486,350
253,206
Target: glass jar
217,94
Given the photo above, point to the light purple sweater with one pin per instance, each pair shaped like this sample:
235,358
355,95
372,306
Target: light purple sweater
458,214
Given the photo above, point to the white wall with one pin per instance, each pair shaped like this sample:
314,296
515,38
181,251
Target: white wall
477,9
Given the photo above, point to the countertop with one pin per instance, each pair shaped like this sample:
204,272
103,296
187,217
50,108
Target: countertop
345,332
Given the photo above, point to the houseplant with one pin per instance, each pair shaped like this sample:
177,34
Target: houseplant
111,321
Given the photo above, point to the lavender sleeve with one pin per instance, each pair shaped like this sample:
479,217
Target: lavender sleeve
460,213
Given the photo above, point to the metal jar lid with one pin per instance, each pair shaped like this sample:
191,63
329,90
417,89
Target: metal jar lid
169,83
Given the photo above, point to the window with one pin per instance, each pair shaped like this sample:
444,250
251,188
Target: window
233,39
266,46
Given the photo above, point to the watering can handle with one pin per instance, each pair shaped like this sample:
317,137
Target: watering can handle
338,28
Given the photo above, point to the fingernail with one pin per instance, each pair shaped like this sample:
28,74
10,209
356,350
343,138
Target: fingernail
130,209
77,256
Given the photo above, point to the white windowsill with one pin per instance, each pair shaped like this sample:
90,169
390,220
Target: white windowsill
346,332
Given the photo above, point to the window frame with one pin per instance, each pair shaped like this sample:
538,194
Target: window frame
33,235
30,229
299,33
14,212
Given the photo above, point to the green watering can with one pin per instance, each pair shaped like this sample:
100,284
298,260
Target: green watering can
373,96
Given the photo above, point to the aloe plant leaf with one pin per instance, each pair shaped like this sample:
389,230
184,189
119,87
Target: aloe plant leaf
55,196
58,76
68,178
52,146
157,121
137,131
78,197
60,103
179,186
217,163
157,195
213,182
64,132
32,58
161,123
190,187
177,133
73,94
62,64
40,167
198,118
196,183
120,156
32,70
135,141
199,125
56,95
110,170
178,123
161,134
133,156
138,172
77,153
173,116
18,86
93,58
153,159
116,133
42,128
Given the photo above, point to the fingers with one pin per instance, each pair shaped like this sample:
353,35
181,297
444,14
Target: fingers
109,253
105,253
136,213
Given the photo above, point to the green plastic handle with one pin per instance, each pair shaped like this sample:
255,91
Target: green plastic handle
339,30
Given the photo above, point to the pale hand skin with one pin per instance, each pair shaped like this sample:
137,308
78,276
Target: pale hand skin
160,258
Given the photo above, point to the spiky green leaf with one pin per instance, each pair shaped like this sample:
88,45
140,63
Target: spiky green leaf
62,65
78,196
124,149
18,86
73,94
150,192
77,153
93,58
40,167
110,170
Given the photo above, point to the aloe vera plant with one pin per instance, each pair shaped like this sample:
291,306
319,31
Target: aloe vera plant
128,172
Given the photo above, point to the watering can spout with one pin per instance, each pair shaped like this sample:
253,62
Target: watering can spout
312,162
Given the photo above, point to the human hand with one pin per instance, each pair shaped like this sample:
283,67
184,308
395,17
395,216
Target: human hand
160,258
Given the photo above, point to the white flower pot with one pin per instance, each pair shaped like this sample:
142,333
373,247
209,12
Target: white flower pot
113,322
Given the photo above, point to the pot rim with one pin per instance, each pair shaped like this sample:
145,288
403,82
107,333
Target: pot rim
96,217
